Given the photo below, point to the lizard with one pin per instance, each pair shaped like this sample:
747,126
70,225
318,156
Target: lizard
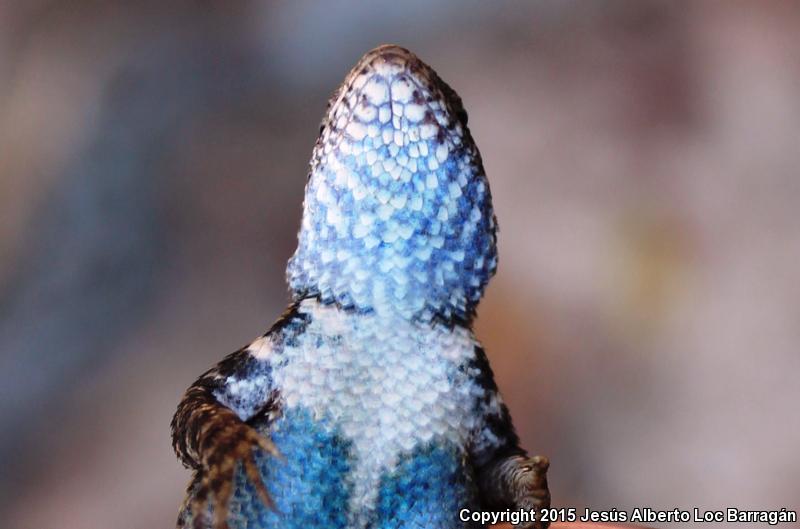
370,403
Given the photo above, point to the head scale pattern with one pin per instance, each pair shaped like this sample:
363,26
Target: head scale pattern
397,216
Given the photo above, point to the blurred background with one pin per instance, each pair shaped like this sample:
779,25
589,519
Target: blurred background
644,323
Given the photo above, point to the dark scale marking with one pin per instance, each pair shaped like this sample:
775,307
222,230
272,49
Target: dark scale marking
482,371
497,422
291,324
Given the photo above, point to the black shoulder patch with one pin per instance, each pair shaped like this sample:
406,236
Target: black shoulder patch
484,375
290,325
498,422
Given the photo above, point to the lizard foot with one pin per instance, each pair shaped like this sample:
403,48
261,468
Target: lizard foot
533,491
229,444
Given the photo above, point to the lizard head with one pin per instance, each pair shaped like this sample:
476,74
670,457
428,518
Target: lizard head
397,215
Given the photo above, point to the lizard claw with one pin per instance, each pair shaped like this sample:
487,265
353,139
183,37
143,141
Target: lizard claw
537,467
533,487
230,444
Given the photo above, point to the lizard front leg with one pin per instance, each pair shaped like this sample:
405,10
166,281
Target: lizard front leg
210,435
507,477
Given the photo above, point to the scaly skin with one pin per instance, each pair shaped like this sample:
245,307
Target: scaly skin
370,403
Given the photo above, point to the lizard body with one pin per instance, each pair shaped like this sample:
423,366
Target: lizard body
370,403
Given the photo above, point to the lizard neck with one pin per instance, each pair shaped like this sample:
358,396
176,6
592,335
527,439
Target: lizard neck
397,216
